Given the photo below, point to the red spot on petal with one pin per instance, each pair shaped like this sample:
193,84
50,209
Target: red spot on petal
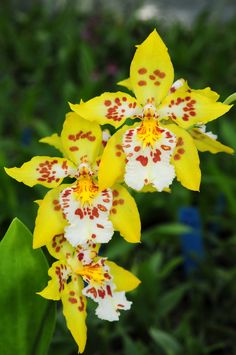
72,300
137,148
73,149
115,193
181,151
107,102
143,160
165,147
176,157
157,156
180,141
192,113
102,208
142,83
142,71
79,213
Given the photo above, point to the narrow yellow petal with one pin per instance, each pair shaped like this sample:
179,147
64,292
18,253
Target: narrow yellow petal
59,247
182,86
52,290
112,165
151,70
185,159
124,215
74,310
109,108
49,221
126,83
54,140
81,139
190,108
204,143
45,171
123,279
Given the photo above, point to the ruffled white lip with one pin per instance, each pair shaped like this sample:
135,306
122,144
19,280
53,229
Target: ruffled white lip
87,222
149,165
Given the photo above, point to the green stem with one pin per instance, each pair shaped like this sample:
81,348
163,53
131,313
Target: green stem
230,99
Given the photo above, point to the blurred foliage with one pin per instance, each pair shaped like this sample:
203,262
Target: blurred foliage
49,58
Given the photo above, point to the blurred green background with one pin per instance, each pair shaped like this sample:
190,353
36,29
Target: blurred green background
52,53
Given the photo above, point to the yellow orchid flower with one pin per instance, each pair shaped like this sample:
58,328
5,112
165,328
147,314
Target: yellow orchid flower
80,210
80,273
152,152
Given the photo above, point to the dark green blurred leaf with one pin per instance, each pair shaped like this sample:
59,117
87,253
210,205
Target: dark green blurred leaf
167,342
171,299
27,320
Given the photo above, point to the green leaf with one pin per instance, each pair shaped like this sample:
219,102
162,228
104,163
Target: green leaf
171,299
167,342
27,320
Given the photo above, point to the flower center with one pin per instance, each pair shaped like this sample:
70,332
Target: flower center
149,132
93,273
86,189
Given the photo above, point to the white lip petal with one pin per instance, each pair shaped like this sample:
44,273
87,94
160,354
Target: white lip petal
149,165
109,308
87,222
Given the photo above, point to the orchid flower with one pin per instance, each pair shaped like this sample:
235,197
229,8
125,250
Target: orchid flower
80,210
80,273
161,146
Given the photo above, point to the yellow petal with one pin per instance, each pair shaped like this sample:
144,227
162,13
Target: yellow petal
112,165
185,159
45,171
49,221
59,247
204,143
190,108
123,279
212,95
109,108
124,215
74,310
80,138
55,285
182,86
151,70
54,140
126,83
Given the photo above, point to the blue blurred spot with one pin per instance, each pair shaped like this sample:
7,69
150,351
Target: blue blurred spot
191,242
26,136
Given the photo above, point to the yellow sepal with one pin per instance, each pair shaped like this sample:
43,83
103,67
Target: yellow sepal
49,221
55,141
124,215
52,290
204,143
191,108
59,247
81,139
151,70
74,310
112,165
33,172
185,159
125,83
109,108
123,279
